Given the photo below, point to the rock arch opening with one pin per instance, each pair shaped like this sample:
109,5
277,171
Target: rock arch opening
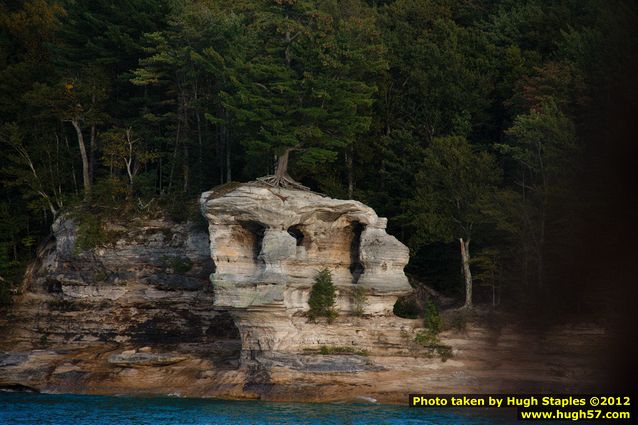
356,267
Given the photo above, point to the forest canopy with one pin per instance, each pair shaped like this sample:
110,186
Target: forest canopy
485,130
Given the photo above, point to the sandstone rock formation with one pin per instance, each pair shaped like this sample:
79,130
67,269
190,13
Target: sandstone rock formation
94,318
141,314
267,246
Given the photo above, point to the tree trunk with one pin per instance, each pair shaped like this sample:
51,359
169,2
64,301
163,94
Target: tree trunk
186,167
129,159
541,246
93,150
282,164
350,167
229,175
467,274
92,144
68,150
219,151
170,176
85,160
200,151
281,177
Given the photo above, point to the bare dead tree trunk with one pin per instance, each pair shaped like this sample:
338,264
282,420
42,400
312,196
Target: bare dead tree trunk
467,274
130,158
85,160
38,183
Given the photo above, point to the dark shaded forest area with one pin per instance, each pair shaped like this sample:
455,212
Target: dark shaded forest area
500,130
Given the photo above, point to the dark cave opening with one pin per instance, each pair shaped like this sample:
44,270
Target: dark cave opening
256,230
214,336
224,341
295,232
223,326
356,268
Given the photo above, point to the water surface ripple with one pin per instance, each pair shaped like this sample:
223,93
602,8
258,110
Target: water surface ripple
65,409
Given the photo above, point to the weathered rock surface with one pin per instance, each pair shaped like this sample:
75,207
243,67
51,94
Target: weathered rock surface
264,236
172,309
268,244
91,321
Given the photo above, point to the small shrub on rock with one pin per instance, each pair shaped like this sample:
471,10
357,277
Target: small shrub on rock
359,300
432,318
322,297
429,338
90,233
432,344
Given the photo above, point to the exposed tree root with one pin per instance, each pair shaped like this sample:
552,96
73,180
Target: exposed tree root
281,177
284,181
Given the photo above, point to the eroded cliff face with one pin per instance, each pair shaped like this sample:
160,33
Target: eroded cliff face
130,316
168,308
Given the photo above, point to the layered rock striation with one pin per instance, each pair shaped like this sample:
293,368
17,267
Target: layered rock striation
97,320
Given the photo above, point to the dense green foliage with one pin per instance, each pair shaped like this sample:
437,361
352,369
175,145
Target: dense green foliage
322,297
490,121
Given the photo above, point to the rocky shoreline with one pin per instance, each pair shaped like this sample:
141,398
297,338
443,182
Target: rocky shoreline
168,308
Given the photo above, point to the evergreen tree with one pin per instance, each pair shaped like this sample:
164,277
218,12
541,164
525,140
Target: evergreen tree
301,84
322,297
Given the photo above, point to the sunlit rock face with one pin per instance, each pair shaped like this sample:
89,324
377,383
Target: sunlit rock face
268,244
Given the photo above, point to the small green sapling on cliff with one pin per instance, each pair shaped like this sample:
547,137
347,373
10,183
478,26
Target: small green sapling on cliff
322,297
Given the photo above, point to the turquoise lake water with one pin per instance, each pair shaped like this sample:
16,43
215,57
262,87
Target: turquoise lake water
58,409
